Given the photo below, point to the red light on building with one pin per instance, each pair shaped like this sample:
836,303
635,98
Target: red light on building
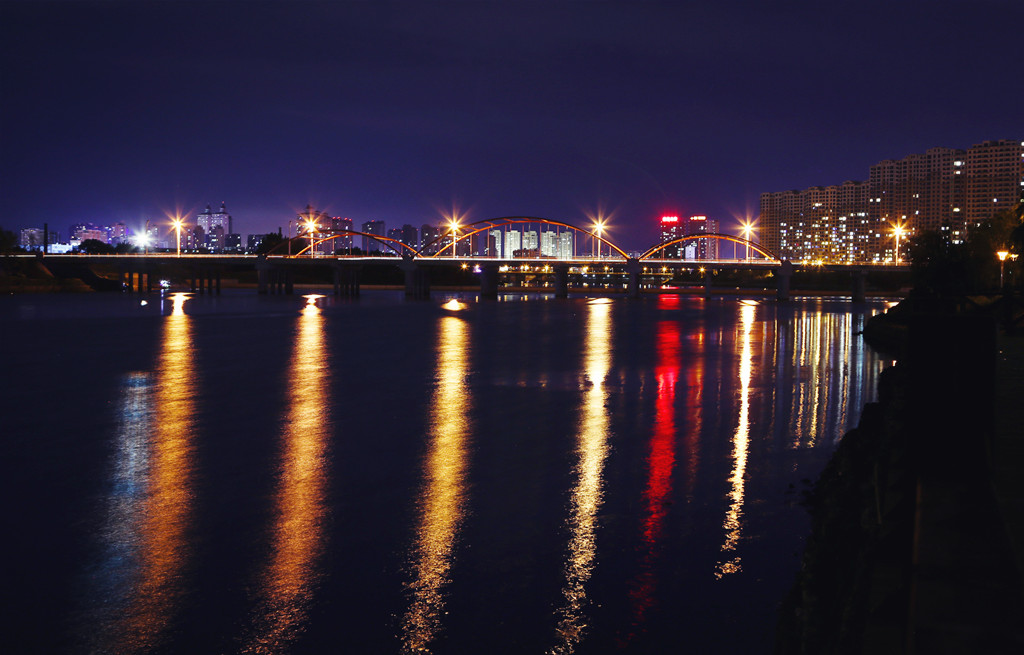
669,219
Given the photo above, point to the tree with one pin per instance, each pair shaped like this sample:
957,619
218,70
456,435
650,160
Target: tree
8,241
970,266
269,242
95,247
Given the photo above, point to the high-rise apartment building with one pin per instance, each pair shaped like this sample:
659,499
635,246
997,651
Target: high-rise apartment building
209,219
701,248
338,227
429,239
944,188
671,229
376,228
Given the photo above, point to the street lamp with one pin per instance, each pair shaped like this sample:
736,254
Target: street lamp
598,231
898,231
747,230
177,222
145,242
1002,255
289,238
453,224
311,227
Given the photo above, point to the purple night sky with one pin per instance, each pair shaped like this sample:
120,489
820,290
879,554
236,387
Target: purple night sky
121,111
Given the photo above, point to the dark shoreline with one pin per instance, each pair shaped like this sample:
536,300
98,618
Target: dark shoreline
911,548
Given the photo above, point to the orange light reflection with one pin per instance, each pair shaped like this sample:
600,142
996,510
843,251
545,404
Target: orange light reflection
166,511
289,581
733,523
592,447
443,499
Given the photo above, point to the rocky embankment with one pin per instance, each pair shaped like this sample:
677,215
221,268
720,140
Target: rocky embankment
908,551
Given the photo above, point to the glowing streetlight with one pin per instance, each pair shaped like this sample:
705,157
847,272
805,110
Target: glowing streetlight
897,232
453,225
311,227
177,223
747,229
1002,255
598,232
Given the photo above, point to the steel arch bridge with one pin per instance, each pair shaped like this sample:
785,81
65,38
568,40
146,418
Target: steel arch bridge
469,230
764,252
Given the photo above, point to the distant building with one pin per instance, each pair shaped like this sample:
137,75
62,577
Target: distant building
216,225
119,233
429,235
233,243
342,241
376,228
253,241
944,188
701,248
671,229
410,236
31,238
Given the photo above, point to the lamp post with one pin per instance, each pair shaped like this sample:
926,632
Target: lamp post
598,231
1002,255
898,232
453,224
311,227
145,241
747,230
176,222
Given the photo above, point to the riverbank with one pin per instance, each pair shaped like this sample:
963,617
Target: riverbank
917,542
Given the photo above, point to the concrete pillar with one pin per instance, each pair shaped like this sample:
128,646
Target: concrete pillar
289,281
417,281
262,275
707,282
346,280
783,276
633,277
859,278
217,274
489,276
561,281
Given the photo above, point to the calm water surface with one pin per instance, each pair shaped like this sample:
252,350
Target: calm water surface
309,474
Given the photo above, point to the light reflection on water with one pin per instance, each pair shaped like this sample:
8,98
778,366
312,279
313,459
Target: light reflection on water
592,449
661,461
442,501
287,585
733,523
713,406
150,513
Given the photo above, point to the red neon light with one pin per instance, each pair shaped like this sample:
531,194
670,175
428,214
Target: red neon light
669,219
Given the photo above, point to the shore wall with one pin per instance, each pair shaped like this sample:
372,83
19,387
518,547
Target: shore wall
907,551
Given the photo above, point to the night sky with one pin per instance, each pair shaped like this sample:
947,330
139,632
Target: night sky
122,111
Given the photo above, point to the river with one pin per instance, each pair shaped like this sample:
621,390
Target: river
303,474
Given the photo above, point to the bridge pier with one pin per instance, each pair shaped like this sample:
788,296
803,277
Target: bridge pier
346,280
272,279
489,282
707,282
633,277
859,278
417,279
561,281
783,276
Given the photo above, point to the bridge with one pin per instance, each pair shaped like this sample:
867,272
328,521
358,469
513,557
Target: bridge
606,266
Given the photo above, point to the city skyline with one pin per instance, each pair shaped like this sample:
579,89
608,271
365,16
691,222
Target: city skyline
404,113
